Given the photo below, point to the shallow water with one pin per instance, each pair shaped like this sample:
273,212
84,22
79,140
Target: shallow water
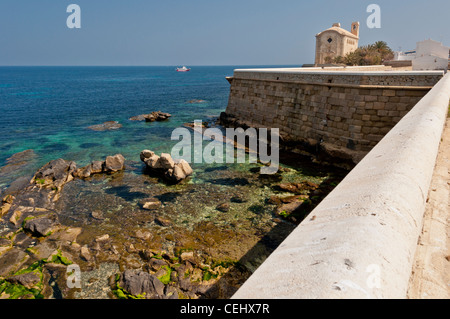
46,112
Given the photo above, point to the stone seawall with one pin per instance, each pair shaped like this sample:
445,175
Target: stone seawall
360,241
338,115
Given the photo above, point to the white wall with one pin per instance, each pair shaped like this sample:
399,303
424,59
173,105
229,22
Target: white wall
430,55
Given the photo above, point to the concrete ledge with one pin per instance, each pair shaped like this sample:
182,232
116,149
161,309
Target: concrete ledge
363,237
347,76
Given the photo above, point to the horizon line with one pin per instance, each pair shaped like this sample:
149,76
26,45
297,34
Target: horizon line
174,65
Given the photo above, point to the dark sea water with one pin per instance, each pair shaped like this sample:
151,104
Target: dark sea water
48,109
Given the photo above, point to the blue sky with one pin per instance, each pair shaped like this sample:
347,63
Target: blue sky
202,32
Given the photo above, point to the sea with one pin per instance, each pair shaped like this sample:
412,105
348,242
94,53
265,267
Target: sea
49,109
228,213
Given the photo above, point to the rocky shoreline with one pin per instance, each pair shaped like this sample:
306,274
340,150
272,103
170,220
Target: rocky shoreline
147,232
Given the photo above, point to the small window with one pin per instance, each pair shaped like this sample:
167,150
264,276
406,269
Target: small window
330,40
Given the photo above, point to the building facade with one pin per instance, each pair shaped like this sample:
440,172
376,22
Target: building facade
335,42
431,55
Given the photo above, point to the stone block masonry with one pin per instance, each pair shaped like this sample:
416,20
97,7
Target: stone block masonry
360,241
338,115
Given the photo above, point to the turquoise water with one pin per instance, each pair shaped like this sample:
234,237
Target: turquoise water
48,109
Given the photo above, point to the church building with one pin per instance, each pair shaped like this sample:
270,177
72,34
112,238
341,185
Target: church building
335,42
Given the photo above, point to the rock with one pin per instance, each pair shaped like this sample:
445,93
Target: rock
153,162
28,280
166,161
138,282
150,203
15,217
68,234
44,249
96,167
85,253
186,169
237,199
97,214
84,172
12,260
55,174
9,199
287,209
143,234
114,163
4,209
106,126
188,256
224,207
138,118
41,226
146,254
276,200
171,292
163,222
161,116
110,165
151,117
156,264
297,188
102,238
146,154
195,101
164,165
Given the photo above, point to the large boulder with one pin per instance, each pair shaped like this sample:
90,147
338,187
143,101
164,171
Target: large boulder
164,165
114,163
138,282
55,174
41,226
28,280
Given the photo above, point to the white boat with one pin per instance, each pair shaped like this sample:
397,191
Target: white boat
183,69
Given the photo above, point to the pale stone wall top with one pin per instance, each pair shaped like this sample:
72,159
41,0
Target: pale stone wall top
362,239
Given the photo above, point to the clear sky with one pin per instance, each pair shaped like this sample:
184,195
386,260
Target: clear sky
202,32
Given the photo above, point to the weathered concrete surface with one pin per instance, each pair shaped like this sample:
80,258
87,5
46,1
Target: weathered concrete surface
361,240
431,272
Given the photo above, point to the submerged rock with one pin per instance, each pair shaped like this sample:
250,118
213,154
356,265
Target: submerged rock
172,170
224,207
106,126
150,203
196,101
297,188
18,162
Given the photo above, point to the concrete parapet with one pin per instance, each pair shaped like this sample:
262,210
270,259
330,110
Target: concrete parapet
361,240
